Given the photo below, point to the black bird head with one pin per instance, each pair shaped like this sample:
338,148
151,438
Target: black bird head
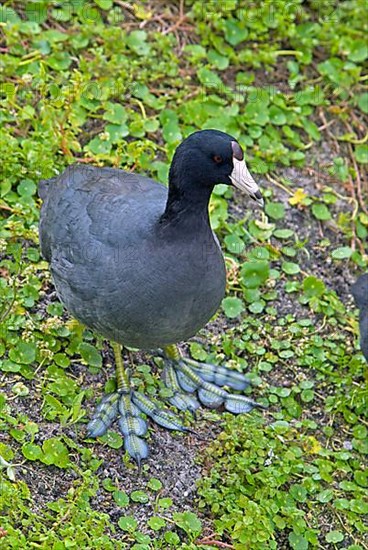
207,158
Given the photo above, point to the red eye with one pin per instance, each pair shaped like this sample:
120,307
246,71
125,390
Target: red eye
217,159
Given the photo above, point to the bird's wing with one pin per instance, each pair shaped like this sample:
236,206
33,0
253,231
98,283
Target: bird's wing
94,223
87,203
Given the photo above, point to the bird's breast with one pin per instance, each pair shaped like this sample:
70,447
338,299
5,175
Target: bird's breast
165,294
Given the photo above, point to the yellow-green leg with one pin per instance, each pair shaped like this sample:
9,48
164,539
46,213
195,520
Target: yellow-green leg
122,378
172,352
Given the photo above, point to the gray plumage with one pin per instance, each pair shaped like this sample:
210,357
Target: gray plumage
360,292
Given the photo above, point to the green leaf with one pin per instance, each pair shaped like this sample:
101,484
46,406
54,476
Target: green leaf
23,353
62,360
151,125
55,452
165,502
20,389
112,439
234,244
290,268
171,132
325,496
115,113
312,129
361,445
189,522
172,539
257,306
32,451
26,188
334,536
313,287
139,496
298,542
128,523
307,396
359,506
277,115
275,210
219,61
362,101
6,453
121,498
255,273
59,61
117,132
55,308
321,212
259,253
108,485
342,253
289,251
256,113
361,477
104,4
360,432
99,146
142,540
156,523
136,41
361,153
210,79
90,354
283,233
232,306
154,484
333,69
235,32
358,51
197,351
340,169
8,15
341,503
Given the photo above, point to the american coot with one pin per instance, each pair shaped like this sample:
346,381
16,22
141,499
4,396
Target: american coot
141,266
360,292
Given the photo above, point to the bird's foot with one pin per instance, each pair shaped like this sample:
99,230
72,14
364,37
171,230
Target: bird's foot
127,408
189,379
191,383
132,425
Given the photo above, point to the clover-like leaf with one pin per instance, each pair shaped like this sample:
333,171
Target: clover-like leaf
232,306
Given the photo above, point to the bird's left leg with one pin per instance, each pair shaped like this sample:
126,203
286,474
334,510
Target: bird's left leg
127,405
119,404
207,382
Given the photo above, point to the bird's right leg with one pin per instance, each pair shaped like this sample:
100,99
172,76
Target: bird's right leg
188,377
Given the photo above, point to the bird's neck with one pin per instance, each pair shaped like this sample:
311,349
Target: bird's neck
186,206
